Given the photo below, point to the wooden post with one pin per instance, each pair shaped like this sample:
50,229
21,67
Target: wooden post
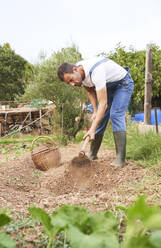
148,85
156,120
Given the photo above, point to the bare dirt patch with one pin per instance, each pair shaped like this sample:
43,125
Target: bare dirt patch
97,187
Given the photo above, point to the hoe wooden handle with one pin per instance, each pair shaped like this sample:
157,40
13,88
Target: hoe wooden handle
82,152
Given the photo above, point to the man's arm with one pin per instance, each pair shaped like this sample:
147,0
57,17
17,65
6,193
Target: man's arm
92,97
102,99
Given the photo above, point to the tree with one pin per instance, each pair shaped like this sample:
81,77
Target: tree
14,73
135,60
47,85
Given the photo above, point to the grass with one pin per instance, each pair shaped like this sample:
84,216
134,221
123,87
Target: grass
143,148
25,139
108,140
79,137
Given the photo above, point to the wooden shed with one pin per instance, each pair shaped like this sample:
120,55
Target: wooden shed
25,119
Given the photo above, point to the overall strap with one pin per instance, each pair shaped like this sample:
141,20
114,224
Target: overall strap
95,65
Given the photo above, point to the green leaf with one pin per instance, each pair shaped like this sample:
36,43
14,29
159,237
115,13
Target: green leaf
154,222
141,210
155,239
140,218
138,242
4,219
95,240
44,218
6,241
85,229
103,221
75,215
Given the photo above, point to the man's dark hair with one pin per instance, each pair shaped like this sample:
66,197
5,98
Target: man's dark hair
64,68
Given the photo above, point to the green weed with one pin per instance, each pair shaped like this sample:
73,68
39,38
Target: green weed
5,150
25,139
79,137
144,148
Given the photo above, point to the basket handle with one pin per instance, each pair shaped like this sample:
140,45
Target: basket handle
40,137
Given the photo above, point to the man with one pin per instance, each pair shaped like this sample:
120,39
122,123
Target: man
109,85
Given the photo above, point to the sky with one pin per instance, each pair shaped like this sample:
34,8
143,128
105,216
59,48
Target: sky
32,27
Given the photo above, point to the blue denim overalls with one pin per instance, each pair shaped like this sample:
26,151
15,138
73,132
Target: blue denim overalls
118,96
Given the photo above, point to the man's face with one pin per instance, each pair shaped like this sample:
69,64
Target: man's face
73,79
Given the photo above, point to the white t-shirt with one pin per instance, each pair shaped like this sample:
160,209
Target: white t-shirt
106,72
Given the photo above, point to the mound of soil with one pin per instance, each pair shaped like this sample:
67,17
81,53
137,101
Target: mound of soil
98,186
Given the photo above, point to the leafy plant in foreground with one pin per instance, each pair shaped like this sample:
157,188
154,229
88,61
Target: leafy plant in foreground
83,229
143,226
46,220
88,230
5,240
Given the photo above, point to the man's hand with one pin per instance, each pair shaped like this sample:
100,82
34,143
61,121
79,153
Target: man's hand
91,135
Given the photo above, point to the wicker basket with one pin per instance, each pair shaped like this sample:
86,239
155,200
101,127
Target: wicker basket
47,158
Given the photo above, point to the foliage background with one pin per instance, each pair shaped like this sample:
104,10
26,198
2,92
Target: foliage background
15,73
68,100
135,60
25,82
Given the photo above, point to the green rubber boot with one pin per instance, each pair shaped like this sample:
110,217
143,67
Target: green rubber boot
120,145
94,146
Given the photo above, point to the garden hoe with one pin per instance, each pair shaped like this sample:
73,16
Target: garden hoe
82,160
